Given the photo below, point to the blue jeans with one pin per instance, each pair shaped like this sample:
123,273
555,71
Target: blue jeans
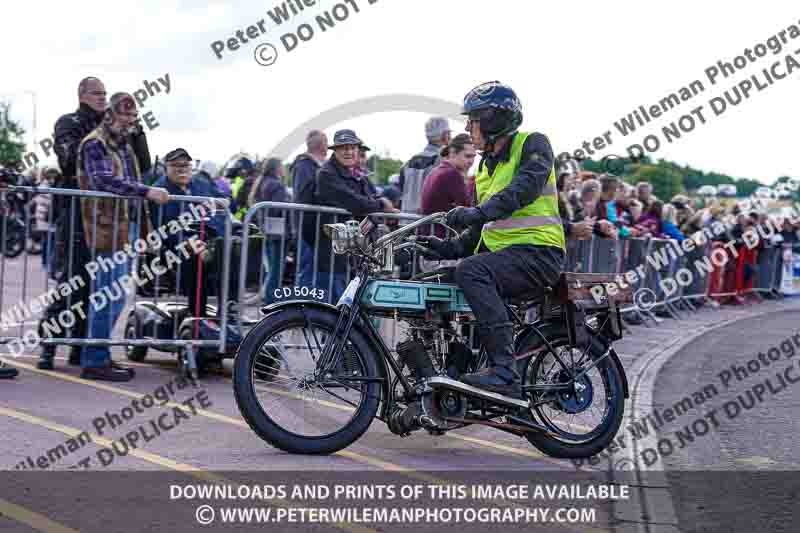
106,303
324,279
272,269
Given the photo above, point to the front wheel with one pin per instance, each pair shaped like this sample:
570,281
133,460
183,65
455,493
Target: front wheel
584,418
285,398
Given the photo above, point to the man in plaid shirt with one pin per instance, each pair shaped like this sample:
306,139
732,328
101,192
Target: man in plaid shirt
107,163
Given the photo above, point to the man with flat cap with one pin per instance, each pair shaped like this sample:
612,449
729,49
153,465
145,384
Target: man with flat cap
338,184
180,182
107,163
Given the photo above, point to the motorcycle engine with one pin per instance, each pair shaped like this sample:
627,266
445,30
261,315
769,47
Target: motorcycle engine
432,352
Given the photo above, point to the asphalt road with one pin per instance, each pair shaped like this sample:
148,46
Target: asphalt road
42,410
740,471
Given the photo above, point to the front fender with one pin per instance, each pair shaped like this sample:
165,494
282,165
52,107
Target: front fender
379,350
269,309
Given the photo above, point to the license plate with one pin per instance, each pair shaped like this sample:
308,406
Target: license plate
349,293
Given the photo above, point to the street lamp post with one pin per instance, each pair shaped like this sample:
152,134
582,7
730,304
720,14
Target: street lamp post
33,98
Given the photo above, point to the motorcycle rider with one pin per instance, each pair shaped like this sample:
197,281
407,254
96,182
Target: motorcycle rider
514,243
242,175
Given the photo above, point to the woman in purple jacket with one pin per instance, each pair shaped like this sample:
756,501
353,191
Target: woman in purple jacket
445,187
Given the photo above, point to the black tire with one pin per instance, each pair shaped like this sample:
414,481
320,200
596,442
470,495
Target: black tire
134,353
263,424
601,437
14,241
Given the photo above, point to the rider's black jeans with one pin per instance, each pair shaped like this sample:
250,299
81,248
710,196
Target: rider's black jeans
489,278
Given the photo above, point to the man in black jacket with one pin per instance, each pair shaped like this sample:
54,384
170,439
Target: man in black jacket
70,250
336,186
305,167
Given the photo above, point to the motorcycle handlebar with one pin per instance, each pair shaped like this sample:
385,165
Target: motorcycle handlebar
435,218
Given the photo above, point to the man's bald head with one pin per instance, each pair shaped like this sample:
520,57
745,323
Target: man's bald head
92,92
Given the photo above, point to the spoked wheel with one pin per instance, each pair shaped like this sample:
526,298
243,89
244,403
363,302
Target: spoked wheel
583,415
285,397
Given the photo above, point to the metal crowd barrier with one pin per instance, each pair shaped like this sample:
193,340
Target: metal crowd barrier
282,248
768,271
44,308
294,256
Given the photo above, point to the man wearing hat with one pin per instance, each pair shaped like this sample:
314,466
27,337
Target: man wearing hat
107,163
337,185
180,182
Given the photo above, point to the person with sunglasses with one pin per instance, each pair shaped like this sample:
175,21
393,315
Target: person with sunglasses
70,130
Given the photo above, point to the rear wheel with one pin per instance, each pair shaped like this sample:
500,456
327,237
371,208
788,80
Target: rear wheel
285,398
134,353
584,418
13,241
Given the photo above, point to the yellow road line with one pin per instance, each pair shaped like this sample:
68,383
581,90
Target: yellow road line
73,432
31,519
149,457
352,455
357,457
202,412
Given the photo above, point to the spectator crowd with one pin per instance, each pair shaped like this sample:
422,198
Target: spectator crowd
101,147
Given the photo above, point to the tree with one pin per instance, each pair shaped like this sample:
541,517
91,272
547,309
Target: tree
782,179
666,181
745,187
11,146
383,168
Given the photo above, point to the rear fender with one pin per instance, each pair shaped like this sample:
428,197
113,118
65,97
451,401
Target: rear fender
553,329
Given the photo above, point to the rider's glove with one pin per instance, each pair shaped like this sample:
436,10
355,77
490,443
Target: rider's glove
438,248
464,217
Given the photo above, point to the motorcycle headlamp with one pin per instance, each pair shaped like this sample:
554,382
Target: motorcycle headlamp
344,236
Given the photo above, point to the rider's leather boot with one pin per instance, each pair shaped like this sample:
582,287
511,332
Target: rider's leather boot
502,377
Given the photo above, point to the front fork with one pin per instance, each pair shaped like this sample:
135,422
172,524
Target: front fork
332,352
348,312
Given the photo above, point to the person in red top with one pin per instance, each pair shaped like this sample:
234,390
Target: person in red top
445,188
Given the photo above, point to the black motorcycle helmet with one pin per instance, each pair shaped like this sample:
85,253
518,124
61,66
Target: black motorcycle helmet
497,108
241,167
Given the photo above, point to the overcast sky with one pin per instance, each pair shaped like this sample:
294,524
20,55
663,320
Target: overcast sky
577,67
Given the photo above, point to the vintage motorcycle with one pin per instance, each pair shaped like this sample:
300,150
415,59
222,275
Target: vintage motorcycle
310,377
